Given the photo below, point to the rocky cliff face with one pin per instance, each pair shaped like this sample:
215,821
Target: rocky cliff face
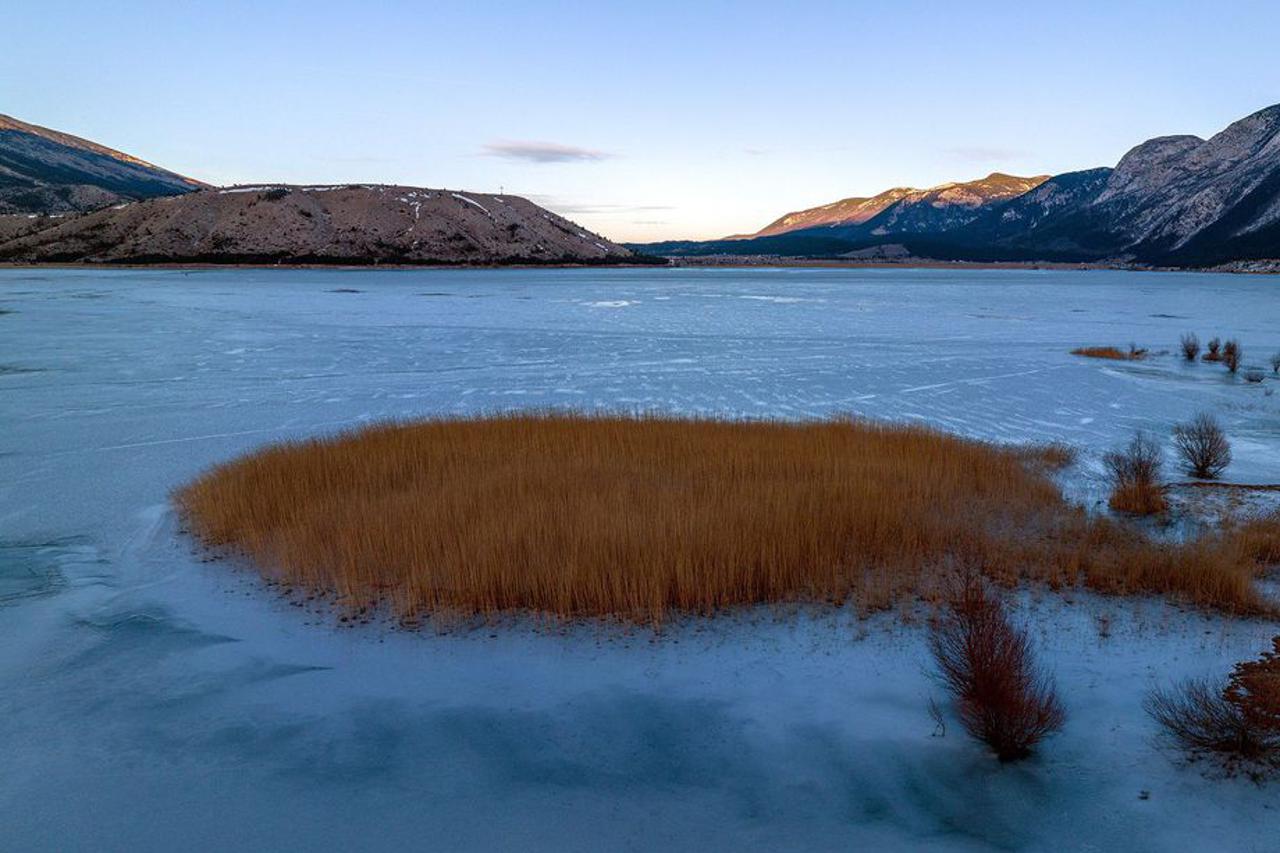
1170,200
1221,191
45,171
316,224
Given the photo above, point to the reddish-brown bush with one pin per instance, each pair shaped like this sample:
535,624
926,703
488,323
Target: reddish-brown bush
1001,697
1215,350
1190,346
1203,446
1254,688
1232,352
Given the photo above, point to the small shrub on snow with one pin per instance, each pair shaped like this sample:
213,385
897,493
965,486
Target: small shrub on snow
1215,350
1135,476
1203,446
1190,346
1002,698
1231,354
1239,721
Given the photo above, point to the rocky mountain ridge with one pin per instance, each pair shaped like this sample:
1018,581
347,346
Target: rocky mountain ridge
47,171
1170,201
283,224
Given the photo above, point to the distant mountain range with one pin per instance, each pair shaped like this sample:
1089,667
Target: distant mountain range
69,200
44,171
1171,201
904,209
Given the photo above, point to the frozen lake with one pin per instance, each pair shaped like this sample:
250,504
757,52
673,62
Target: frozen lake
152,701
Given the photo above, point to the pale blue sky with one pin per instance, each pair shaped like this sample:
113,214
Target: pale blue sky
655,120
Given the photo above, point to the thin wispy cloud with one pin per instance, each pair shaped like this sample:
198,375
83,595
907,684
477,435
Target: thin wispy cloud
543,152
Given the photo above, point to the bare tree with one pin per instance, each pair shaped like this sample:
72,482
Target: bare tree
1203,446
1002,697
1135,476
1231,354
1190,346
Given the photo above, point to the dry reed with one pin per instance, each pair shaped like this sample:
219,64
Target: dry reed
637,517
1131,354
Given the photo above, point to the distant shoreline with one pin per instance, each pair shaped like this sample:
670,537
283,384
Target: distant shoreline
734,262
207,265
704,262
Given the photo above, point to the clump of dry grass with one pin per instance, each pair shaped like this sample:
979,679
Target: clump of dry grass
637,517
1131,354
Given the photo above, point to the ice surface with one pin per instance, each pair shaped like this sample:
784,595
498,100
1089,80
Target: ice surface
152,701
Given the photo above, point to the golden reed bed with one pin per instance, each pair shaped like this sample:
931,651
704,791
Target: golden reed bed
637,517
1113,353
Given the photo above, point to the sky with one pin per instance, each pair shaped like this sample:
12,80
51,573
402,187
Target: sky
642,121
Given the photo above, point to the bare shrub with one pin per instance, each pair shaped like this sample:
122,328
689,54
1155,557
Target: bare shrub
1190,346
1198,717
1238,720
1203,446
1135,476
1215,350
1231,354
1275,363
1002,698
